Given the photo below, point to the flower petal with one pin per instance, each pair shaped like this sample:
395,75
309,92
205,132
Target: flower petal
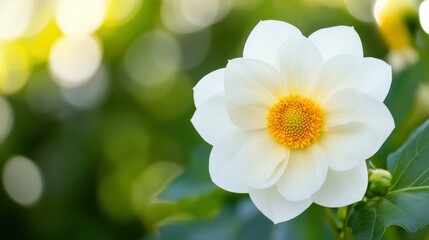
368,75
275,207
222,165
305,173
338,73
376,117
348,105
342,107
337,40
343,188
211,119
377,78
266,39
347,145
277,174
208,86
299,61
248,118
251,82
261,160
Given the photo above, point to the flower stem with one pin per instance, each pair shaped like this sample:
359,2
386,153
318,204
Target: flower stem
344,214
371,165
334,223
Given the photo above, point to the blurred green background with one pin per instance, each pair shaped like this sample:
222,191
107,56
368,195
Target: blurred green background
96,101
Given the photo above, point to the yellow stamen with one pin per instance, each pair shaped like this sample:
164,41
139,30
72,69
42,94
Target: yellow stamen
295,121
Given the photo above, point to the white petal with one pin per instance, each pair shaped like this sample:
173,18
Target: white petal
348,105
305,173
275,207
248,118
342,107
211,119
299,60
261,160
251,82
346,146
338,40
208,86
343,188
377,78
376,117
222,165
266,39
369,75
277,174
340,72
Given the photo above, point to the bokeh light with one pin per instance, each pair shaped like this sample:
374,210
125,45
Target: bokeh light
424,15
90,93
186,16
121,11
39,45
22,180
379,8
6,119
152,58
73,61
199,13
15,67
399,59
80,17
15,17
42,14
360,9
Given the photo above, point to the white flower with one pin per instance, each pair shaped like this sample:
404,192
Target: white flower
293,121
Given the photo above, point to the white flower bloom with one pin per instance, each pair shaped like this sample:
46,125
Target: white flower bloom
293,121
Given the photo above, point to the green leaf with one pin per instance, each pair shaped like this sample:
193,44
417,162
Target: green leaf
158,197
146,189
407,203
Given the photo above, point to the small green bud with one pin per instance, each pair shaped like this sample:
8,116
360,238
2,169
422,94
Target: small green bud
375,174
379,183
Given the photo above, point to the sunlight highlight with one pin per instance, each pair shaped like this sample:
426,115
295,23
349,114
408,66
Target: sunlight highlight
15,17
22,181
424,15
80,17
73,61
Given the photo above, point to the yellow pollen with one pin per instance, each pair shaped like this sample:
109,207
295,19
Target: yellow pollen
295,121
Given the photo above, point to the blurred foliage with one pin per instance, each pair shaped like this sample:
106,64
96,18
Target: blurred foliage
118,154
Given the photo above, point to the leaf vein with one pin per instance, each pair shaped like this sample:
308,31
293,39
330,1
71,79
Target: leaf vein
409,189
409,163
418,178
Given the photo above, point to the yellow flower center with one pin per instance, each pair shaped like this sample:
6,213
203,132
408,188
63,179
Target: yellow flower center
295,121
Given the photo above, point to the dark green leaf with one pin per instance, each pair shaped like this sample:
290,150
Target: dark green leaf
407,203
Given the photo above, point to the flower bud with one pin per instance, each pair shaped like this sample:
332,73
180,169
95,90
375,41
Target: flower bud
380,181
